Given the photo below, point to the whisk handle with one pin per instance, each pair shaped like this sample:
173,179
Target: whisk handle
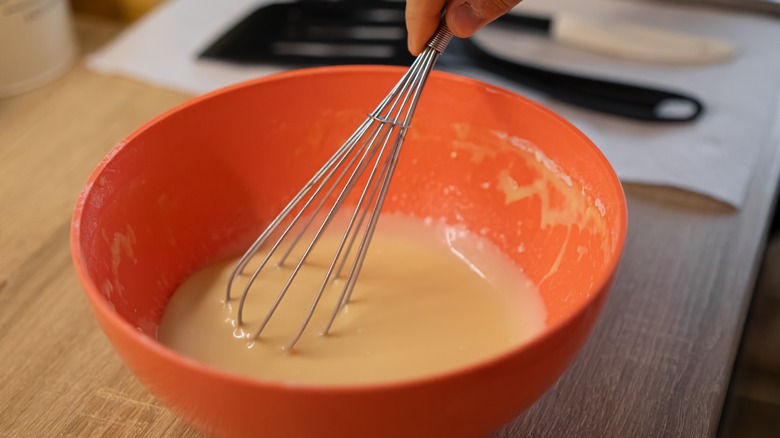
441,38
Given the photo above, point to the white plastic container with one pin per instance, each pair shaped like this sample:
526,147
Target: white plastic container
37,43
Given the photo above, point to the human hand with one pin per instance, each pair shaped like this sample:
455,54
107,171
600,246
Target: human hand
464,17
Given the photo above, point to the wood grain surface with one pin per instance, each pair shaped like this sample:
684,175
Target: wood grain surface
657,365
59,376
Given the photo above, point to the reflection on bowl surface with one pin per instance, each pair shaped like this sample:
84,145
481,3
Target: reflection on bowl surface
197,184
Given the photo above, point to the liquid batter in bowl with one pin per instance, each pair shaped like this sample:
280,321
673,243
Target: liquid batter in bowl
430,298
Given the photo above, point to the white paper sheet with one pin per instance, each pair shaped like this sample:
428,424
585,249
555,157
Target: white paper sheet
714,156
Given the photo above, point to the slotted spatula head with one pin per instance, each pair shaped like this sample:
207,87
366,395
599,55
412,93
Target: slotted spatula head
318,33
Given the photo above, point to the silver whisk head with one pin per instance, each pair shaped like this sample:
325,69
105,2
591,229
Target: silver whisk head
365,163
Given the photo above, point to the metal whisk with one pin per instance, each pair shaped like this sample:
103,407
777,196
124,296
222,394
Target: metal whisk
373,148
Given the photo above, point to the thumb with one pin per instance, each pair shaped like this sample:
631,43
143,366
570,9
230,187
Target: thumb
464,17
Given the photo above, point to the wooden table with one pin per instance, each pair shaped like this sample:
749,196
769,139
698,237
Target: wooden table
657,364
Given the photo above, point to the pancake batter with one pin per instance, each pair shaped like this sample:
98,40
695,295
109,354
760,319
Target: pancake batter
430,298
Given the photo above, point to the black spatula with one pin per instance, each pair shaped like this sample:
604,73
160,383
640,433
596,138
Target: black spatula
312,32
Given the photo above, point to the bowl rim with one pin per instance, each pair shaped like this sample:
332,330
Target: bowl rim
601,285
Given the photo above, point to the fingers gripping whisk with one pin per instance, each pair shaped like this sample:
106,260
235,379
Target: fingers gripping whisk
355,177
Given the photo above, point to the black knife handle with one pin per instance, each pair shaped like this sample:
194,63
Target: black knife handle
625,100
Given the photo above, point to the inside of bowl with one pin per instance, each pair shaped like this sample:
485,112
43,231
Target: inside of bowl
199,183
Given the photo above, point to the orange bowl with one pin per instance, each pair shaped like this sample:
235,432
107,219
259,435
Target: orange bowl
199,182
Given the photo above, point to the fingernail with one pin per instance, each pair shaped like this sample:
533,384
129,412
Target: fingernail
465,21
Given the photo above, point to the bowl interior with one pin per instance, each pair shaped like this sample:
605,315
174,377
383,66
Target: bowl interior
200,182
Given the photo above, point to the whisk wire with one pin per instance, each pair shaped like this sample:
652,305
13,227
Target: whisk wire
344,153
428,60
344,238
368,154
328,166
376,144
362,164
346,290
403,124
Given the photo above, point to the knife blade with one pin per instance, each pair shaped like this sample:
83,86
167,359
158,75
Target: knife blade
622,39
